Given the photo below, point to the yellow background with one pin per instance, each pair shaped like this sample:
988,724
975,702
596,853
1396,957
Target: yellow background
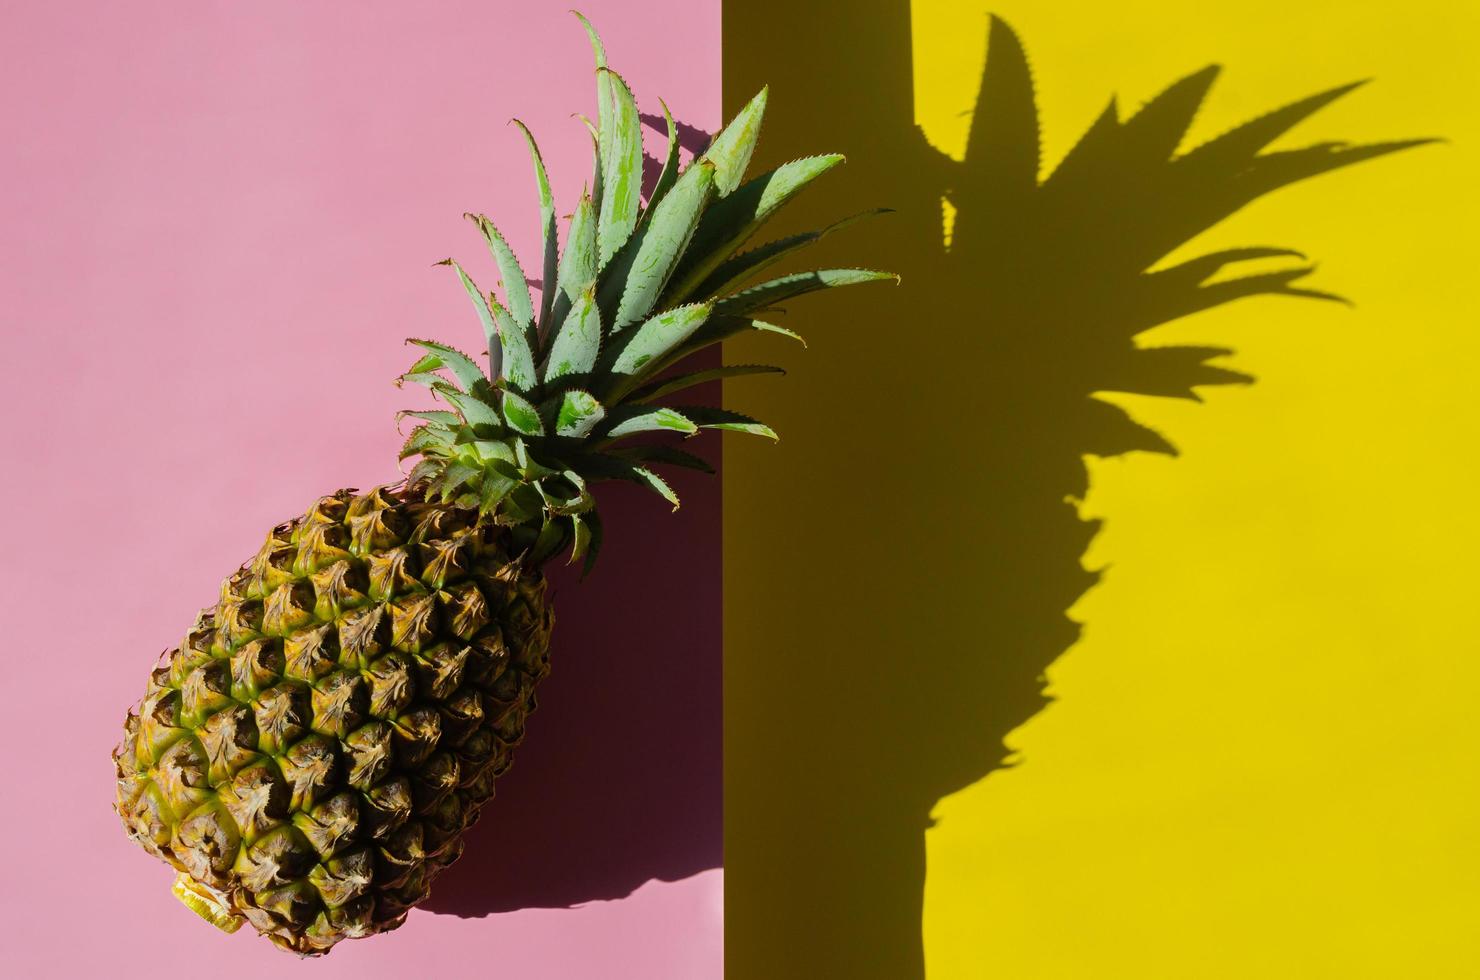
1261,761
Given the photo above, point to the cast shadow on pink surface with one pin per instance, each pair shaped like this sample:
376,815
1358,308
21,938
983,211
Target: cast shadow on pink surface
616,783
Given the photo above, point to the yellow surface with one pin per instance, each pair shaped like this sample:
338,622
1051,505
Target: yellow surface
1261,757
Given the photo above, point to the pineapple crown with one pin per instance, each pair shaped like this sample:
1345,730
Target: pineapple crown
636,292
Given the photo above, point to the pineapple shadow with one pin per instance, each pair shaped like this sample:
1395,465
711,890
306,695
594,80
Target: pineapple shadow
912,587
618,780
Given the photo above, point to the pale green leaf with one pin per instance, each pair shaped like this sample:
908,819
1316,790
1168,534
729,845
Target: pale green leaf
578,264
779,290
578,341
578,414
670,385
731,220
518,357
742,266
731,150
669,174
650,343
634,281
521,415
485,317
516,287
461,365
726,420
621,169
632,419
549,239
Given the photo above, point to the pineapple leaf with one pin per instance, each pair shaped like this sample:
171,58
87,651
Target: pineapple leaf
451,419
668,386
730,221
654,482
473,410
668,455
722,418
422,440
578,414
580,538
669,174
629,420
652,342
485,317
743,265
578,265
516,287
764,295
732,148
454,477
601,132
440,356
621,168
498,483
575,347
718,329
592,522
521,415
633,282
518,357
549,239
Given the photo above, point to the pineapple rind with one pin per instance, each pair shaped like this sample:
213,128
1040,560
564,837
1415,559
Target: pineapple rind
313,751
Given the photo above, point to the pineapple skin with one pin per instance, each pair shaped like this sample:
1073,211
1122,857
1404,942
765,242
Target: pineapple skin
311,754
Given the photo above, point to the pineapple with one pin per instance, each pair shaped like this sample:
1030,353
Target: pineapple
310,756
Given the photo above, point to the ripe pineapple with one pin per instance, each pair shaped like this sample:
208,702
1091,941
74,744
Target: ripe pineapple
310,756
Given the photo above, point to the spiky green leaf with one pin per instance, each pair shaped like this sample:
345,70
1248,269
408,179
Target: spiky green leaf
669,455
549,238
461,365
634,281
742,266
731,150
578,414
722,418
485,318
652,342
516,287
473,410
518,356
522,416
668,386
779,290
629,420
669,174
621,168
730,221
578,341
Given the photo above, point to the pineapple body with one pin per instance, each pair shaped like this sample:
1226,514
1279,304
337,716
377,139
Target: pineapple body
310,755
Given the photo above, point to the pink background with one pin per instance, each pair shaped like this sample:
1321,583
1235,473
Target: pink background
220,222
